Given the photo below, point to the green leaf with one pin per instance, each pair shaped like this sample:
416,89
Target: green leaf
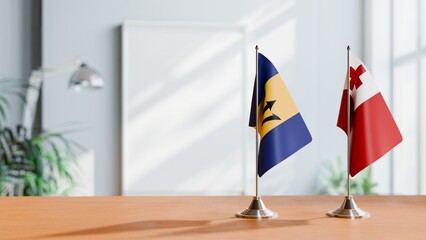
2,113
4,101
30,182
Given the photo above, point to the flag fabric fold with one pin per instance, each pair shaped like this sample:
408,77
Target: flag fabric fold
373,130
281,127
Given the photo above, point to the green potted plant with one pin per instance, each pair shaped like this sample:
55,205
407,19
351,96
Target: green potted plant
334,180
32,166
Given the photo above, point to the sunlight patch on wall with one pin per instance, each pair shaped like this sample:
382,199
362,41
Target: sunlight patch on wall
186,138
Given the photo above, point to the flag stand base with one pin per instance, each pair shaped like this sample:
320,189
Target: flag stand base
348,209
257,209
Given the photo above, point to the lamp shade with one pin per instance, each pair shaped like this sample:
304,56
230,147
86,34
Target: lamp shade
86,77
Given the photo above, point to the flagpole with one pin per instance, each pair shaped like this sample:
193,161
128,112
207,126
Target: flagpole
257,208
257,121
348,208
349,126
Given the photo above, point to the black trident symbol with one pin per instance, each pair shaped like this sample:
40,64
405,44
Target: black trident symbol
269,105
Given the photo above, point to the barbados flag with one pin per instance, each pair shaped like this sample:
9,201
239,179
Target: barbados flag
281,127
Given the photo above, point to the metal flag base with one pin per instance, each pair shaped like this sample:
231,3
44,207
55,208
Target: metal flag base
348,209
257,209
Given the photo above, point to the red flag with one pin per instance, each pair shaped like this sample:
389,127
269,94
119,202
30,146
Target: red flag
373,129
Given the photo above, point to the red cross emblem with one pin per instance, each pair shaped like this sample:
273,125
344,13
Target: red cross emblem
355,74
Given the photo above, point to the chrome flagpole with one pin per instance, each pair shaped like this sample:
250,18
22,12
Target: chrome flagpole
257,208
348,208
257,121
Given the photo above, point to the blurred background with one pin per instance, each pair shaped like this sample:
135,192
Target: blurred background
172,116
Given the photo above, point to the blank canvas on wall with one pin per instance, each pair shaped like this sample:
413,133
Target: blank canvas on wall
182,109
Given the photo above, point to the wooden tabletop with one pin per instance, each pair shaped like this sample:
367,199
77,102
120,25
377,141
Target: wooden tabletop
300,217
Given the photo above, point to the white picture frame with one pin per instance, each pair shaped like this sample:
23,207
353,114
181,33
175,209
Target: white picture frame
183,109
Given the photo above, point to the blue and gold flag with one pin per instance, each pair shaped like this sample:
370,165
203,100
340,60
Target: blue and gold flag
281,127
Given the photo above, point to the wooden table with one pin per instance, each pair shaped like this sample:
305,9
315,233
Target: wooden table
301,217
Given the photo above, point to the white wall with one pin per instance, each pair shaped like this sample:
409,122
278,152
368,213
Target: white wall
306,40
378,58
394,55
15,47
